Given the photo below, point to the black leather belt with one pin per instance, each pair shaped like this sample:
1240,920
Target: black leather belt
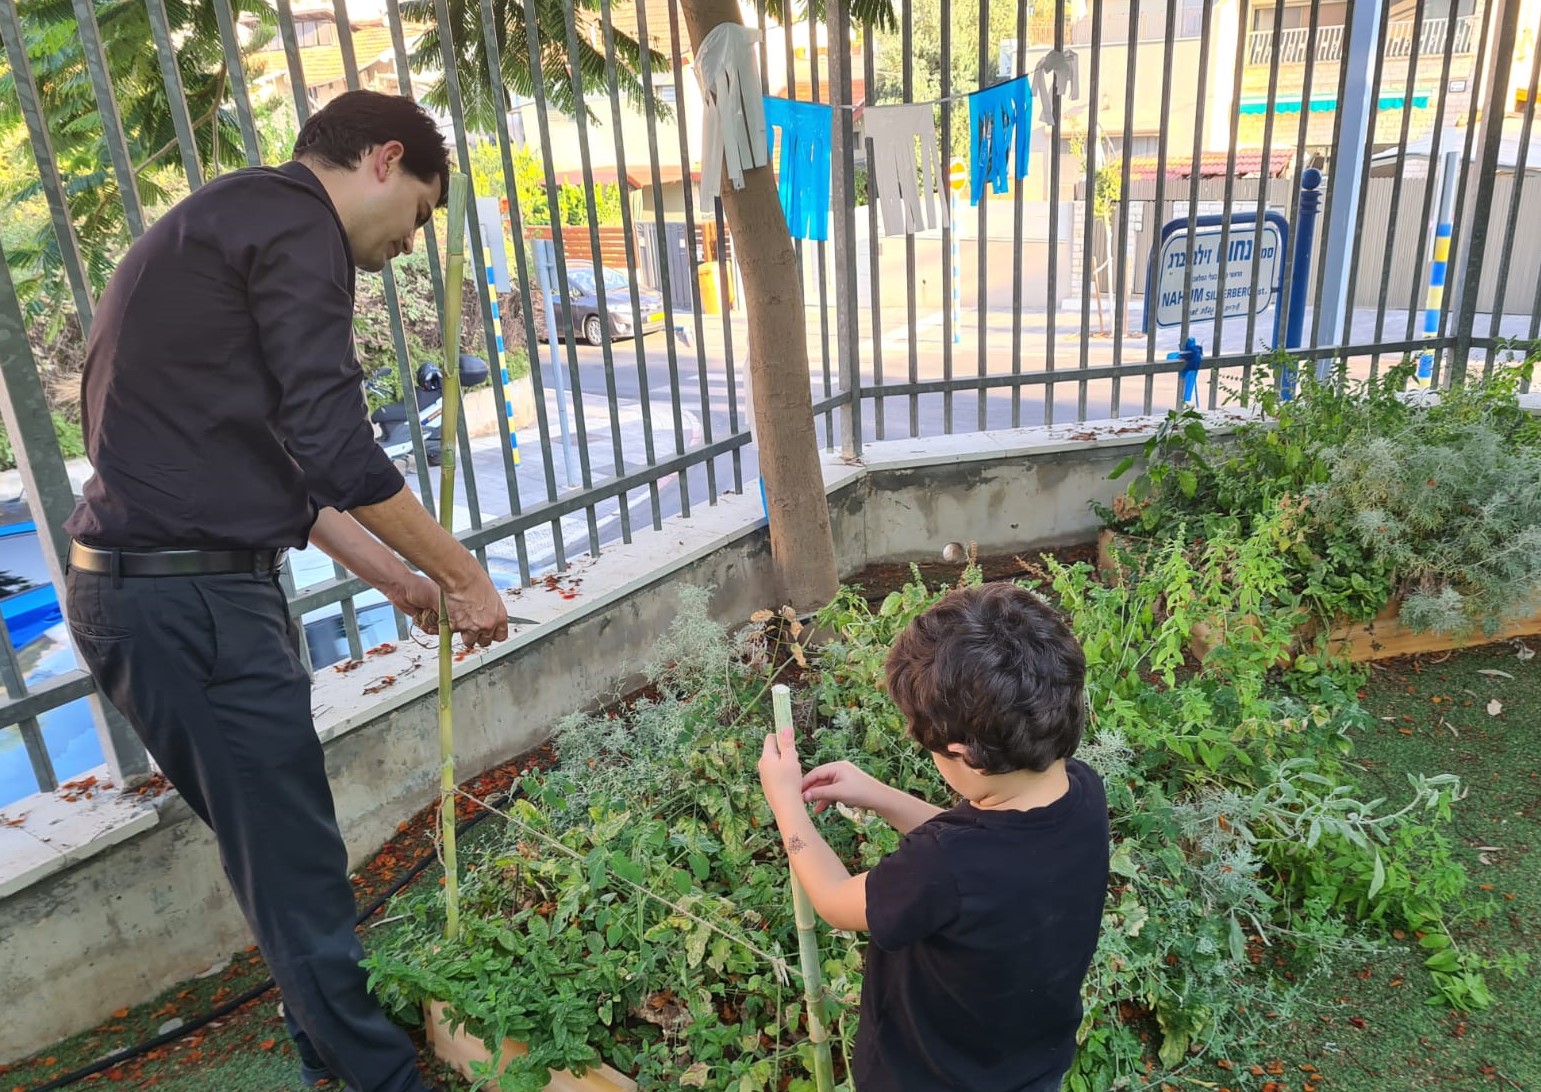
93,559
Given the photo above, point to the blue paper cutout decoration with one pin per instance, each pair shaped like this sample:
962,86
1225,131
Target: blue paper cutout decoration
807,133
1001,126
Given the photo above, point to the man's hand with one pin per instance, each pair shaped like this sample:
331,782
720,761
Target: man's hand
841,783
477,613
781,775
418,598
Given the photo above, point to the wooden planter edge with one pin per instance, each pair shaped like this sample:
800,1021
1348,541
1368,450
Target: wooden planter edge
460,1049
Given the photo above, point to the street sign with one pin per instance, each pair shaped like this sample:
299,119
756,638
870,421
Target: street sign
1171,296
957,177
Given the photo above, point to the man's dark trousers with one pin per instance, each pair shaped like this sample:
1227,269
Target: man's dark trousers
207,670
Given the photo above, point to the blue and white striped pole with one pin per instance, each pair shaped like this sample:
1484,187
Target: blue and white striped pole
492,215
956,179
1435,301
497,325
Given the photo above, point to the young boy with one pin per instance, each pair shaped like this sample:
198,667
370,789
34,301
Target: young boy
984,920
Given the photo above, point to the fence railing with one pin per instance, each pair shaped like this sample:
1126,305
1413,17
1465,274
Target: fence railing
1025,309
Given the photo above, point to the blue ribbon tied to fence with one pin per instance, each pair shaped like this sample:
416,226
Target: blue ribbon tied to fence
807,134
1000,120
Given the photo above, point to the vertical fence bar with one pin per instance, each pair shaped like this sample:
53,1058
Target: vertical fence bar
1409,87
1196,169
907,42
107,111
236,74
1317,325
1051,305
1427,242
47,164
601,292
286,35
1357,108
820,248
1458,221
1089,283
1361,200
1303,131
951,227
1521,167
176,99
553,202
874,256
623,180
489,328
1121,257
24,411
1507,14
982,240
1160,204
665,278
693,233
844,193
1018,226
526,310
1264,196
1229,196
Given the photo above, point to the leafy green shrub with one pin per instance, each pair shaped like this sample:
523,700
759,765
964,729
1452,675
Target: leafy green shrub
636,907
1353,460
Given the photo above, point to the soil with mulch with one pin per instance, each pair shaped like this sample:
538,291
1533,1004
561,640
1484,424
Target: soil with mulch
885,577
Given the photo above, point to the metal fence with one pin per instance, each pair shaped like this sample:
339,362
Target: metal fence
1029,306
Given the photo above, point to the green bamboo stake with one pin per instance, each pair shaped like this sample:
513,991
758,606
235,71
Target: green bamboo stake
807,937
454,275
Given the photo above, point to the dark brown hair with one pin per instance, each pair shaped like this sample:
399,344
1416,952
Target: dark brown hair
344,129
995,669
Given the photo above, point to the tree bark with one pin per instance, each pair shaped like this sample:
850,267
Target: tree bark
802,545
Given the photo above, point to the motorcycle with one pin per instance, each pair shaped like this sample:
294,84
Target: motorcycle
393,430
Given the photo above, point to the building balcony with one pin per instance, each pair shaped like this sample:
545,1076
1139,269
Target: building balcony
1297,45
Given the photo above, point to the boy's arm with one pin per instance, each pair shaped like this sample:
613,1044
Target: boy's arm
902,811
837,896
846,783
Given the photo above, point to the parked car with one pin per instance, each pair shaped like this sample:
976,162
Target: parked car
583,305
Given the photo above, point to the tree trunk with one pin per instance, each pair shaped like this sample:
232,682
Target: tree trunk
802,545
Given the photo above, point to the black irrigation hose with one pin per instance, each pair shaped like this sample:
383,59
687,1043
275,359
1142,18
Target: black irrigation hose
140,1049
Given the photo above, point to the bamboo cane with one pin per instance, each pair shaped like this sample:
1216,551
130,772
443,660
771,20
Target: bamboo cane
807,937
448,434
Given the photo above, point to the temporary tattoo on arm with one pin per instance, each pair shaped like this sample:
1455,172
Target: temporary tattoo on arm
795,844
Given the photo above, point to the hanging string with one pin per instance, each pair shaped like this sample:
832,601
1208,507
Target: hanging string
807,137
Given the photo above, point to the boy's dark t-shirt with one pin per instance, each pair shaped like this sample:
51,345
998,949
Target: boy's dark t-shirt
983,926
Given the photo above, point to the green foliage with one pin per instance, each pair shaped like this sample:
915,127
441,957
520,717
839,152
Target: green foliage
76,131
1353,462
72,444
518,75
636,908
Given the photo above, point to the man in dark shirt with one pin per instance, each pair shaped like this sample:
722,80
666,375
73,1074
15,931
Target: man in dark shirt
985,919
225,420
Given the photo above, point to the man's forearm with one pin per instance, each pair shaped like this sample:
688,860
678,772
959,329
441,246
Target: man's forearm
405,525
902,811
344,539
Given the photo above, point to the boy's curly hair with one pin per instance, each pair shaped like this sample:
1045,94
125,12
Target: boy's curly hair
995,669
